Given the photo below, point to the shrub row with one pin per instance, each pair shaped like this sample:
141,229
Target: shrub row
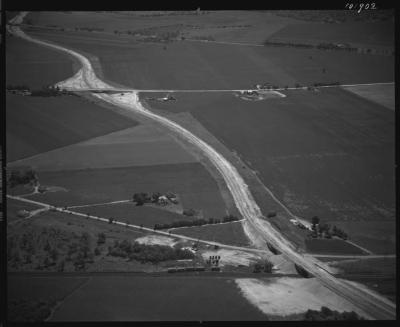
197,222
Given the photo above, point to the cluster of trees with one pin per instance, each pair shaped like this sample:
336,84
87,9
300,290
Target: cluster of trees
22,177
328,314
142,198
28,310
326,84
21,87
47,249
320,46
89,29
196,222
325,230
203,37
288,44
147,253
46,91
334,46
263,266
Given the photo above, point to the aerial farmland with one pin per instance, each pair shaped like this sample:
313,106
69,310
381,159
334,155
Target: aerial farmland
200,165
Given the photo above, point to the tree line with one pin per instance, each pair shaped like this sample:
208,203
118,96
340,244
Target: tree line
196,222
147,253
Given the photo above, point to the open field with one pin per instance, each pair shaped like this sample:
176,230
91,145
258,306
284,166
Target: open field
354,33
162,298
377,236
14,206
378,274
333,158
142,145
382,94
287,296
333,246
239,26
193,184
321,129
136,215
36,124
231,233
201,65
32,299
35,66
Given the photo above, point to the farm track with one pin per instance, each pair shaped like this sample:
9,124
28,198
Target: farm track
371,304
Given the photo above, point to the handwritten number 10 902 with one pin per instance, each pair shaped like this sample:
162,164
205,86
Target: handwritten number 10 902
360,6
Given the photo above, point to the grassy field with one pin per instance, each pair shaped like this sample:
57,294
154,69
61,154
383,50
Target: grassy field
368,34
163,298
378,274
13,206
194,185
36,125
231,234
34,65
244,26
382,94
137,215
327,153
333,246
377,236
32,298
199,65
142,145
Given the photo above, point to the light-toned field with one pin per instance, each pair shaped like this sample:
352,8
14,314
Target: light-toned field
141,145
287,296
383,94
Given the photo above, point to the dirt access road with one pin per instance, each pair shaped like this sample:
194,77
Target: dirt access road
373,305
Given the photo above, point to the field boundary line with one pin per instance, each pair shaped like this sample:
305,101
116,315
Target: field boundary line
98,204
228,222
234,247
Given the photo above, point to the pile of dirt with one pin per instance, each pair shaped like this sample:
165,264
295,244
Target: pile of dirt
156,240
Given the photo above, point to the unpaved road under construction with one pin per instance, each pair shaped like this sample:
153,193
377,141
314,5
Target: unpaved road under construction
371,304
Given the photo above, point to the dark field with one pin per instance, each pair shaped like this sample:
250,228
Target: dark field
34,65
328,153
199,65
136,215
161,298
49,288
378,274
377,236
36,125
194,185
333,246
231,233
369,34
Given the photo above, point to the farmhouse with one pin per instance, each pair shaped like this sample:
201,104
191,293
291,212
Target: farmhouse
162,200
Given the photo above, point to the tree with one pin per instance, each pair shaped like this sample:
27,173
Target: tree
268,266
315,220
101,238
